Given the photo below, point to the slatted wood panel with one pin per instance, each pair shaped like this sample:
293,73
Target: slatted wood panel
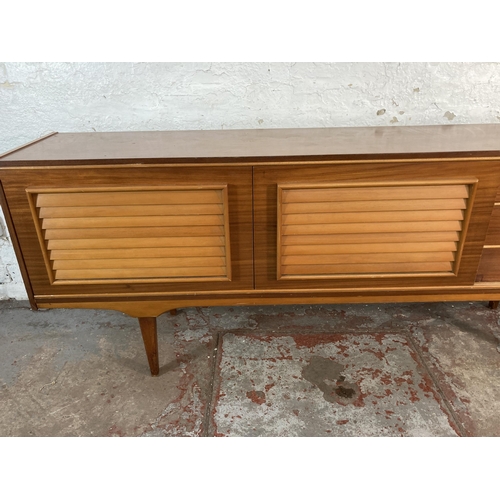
129,235
328,231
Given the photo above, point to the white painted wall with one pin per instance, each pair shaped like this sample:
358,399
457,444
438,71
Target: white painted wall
37,98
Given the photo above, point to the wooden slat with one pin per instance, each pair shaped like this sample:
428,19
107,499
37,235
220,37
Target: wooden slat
117,243
370,248
138,253
121,198
365,259
368,238
341,194
139,263
373,268
374,206
375,227
132,210
137,232
117,222
358,217
148,272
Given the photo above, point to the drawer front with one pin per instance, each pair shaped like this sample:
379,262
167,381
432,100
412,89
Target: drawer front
125,230
371,225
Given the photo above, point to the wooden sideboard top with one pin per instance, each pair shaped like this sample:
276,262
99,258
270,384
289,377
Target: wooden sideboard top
259,145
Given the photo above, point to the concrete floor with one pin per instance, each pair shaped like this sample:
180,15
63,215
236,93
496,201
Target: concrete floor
340,370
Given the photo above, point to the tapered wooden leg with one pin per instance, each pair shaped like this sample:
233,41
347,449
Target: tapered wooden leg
493,304
150,337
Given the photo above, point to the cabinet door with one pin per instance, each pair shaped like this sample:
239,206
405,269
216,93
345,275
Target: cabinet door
133,230
379,225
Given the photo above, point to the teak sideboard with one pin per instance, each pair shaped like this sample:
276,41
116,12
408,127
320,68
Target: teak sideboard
147,222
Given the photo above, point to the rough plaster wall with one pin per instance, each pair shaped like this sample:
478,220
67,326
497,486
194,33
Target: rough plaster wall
38,98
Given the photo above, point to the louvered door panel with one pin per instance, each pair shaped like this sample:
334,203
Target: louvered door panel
147,234
338,231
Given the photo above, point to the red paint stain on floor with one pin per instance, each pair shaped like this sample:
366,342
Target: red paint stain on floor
257,397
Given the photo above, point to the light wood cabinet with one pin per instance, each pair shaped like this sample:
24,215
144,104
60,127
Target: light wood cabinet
146,222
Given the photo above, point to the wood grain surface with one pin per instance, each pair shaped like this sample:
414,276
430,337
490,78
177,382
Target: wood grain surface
262,145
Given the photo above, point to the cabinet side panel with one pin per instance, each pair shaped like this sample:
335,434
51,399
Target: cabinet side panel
17,248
